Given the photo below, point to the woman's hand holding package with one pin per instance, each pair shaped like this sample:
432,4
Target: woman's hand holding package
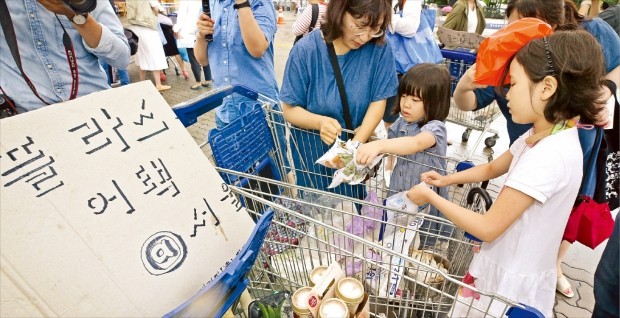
330,129
367,152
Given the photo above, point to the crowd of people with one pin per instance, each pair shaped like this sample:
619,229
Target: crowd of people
340,78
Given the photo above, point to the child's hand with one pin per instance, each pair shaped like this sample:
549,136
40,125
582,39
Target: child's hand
434,178
330,129
420,194
367,152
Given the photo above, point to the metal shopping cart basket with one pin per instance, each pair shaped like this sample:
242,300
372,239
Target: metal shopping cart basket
312,227
459,61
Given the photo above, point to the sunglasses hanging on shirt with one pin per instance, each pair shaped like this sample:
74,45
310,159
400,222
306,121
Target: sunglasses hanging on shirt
9,33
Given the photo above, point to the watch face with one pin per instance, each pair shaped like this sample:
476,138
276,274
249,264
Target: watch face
79,19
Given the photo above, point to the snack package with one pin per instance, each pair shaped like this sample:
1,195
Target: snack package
400,202
340,153
389,283
343,153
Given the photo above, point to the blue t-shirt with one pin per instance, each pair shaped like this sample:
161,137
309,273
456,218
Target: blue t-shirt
368,74
607,38
485,96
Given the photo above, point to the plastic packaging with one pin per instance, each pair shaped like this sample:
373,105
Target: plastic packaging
496,50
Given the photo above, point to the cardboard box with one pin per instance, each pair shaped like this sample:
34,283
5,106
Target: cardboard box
108,208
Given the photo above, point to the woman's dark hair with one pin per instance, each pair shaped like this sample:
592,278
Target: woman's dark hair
431,83
375,13
579,79
509,7
572,17
550,11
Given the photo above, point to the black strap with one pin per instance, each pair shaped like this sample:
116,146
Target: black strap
315,16
314,19
343,94
11,39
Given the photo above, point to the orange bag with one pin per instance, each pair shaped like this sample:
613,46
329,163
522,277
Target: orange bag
497,49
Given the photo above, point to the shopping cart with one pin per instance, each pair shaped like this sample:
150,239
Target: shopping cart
458,62
311,228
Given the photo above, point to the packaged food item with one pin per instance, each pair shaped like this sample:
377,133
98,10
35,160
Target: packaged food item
342,154
300,303
351,292
325,289
339,154
333,308
388,282
316,275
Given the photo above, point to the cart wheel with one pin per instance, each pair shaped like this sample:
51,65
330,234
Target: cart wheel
490,142
465,136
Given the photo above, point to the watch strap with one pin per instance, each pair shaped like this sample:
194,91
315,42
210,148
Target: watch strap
245,4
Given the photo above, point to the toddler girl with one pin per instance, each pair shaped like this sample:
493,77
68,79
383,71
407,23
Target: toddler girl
419,135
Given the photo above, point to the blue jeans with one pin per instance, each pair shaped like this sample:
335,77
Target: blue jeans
606,277
123,75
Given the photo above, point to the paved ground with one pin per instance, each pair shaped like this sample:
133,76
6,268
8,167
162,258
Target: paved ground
580,262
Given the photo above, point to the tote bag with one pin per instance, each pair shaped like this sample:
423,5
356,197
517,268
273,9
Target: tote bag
421,48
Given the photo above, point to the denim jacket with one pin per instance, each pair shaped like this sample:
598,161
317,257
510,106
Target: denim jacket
39,39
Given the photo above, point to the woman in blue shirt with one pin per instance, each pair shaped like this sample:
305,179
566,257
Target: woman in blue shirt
310,96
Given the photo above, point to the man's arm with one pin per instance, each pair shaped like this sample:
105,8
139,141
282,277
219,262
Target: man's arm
205,27
102,34
253,37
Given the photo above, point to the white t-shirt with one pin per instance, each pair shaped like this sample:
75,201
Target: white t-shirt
520,264
472,20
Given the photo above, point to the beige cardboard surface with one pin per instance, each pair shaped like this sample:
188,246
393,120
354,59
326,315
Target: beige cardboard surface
108,208
458,39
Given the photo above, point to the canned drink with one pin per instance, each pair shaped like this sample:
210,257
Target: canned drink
300,303
351,292
316,275
333,308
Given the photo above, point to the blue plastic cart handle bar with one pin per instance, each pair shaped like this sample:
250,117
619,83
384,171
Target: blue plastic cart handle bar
218,296
525,312
188,112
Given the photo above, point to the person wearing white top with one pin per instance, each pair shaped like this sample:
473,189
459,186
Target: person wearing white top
185,31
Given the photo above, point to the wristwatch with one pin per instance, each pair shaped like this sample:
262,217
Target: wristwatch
245,4
79,18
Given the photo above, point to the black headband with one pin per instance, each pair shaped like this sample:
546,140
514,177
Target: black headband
549,60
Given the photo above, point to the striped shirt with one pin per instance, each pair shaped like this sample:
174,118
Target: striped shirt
301,26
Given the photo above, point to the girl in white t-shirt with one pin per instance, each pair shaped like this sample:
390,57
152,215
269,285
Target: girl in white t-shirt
552,81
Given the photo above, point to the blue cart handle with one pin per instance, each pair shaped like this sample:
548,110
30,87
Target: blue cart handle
189,111
523,311
214,299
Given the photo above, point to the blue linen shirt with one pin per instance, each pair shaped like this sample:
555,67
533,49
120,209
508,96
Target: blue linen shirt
230,61
39,38
369,75
406,173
